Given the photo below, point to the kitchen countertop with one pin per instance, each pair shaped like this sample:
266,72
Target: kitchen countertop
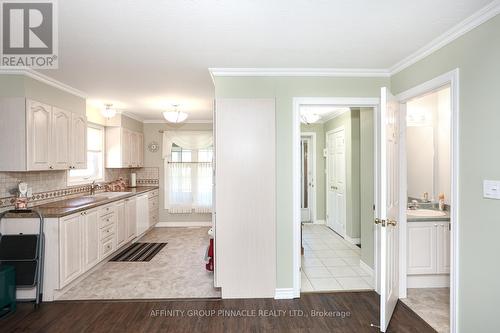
445,218
66,207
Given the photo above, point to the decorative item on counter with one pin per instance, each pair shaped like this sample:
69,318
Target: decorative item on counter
426,197
22,196
441,201
133,179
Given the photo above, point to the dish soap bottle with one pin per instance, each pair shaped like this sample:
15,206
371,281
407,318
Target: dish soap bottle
441,201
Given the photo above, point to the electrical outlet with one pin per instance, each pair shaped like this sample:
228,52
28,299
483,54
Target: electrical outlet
491,189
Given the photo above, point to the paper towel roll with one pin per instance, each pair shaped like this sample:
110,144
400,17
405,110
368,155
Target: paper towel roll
133,179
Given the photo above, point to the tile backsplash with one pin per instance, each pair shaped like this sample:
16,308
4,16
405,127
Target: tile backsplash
52,185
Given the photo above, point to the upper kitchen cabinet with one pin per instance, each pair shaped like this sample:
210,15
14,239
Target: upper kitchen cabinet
39,136
124,148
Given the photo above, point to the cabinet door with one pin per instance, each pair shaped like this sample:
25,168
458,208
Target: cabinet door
70,247
61,131
38,130
422,248
90,239
120,224
130,217
443,248
79,142
140,149
125,148
134,154
142,217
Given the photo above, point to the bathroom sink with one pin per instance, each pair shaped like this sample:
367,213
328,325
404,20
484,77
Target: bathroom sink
425,213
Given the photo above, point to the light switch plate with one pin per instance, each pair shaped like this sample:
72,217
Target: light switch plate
491,189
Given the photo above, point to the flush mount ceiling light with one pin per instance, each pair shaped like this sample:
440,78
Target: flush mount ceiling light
309,118
108,111
175,116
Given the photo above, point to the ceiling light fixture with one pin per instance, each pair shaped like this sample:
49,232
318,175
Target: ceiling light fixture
175,116
108,112
309,118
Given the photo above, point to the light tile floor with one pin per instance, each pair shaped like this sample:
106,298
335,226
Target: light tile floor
177,271
432,305
330,263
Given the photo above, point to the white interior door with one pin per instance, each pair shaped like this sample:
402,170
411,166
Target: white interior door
307,181
389,206
336,179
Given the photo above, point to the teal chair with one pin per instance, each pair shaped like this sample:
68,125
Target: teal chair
7,290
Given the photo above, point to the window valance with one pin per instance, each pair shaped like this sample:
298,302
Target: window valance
186,139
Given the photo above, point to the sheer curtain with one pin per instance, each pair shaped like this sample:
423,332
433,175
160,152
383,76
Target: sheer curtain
188,184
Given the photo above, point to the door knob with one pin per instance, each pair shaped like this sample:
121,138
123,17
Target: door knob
380,221
392,222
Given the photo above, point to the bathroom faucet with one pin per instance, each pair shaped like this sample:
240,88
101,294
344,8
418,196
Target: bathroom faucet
413,205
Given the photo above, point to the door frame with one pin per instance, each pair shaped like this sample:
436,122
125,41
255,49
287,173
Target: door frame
448,79
335,130
369,102
313,157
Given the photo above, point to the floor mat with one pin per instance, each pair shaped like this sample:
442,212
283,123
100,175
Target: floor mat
139,252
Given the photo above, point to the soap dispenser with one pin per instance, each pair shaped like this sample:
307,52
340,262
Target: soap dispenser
441,201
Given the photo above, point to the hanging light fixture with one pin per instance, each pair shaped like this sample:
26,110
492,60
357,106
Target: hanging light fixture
175,116
108,112
309,118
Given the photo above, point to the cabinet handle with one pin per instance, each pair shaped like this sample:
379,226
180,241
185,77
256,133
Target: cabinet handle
51,167
107,220
435,225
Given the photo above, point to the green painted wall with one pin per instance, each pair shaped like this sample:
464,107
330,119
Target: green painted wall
320,167
366,181
284,89
477,55
350,122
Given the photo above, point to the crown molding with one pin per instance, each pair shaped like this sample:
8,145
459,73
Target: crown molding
304,72
133,116
484,14
43,78
163,121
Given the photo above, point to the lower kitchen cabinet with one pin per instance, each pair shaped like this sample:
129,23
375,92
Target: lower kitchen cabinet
90,238
121,231
130,218
71,249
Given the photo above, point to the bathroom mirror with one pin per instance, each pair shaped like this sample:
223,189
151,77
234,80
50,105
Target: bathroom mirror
428,145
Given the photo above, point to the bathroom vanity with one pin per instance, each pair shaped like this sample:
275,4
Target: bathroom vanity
428,252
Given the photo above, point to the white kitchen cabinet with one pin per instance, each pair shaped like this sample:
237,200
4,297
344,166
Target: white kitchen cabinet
443,248
121,226
140,149
71,249
123,148
90,221
61,139
78,142
39,131
142,216
130,217
428,248
44,137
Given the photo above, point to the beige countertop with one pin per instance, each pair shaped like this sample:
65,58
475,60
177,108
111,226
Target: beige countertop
70,206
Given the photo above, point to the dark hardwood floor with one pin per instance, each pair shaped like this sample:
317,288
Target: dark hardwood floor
360,309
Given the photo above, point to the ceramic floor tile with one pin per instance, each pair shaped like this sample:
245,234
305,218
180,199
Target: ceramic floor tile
352,261
353,283
332,262
346,253
432,305
360,271
311,262
317,272
306,285
342,271
325,254
325,284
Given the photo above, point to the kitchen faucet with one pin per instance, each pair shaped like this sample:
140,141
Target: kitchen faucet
93,186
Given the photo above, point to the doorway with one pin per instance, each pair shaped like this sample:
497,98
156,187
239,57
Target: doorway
308,177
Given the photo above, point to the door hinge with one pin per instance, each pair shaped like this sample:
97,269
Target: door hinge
373,207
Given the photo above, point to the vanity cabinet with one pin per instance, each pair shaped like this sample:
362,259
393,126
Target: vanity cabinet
44,137
428,248
124,148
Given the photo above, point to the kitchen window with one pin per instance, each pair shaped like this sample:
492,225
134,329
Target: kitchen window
189,180
95,158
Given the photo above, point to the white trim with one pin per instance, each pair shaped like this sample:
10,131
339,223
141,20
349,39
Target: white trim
366,268
132,116
304,72
163,121
333,115
338,101
353,241
42,78
314,157
183,224
471,22
284,293
451,78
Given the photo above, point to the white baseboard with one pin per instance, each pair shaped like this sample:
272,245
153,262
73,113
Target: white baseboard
284,293
354,241
320,222
366,268
183,224
428,281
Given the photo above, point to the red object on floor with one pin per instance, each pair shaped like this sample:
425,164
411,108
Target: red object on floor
210,265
